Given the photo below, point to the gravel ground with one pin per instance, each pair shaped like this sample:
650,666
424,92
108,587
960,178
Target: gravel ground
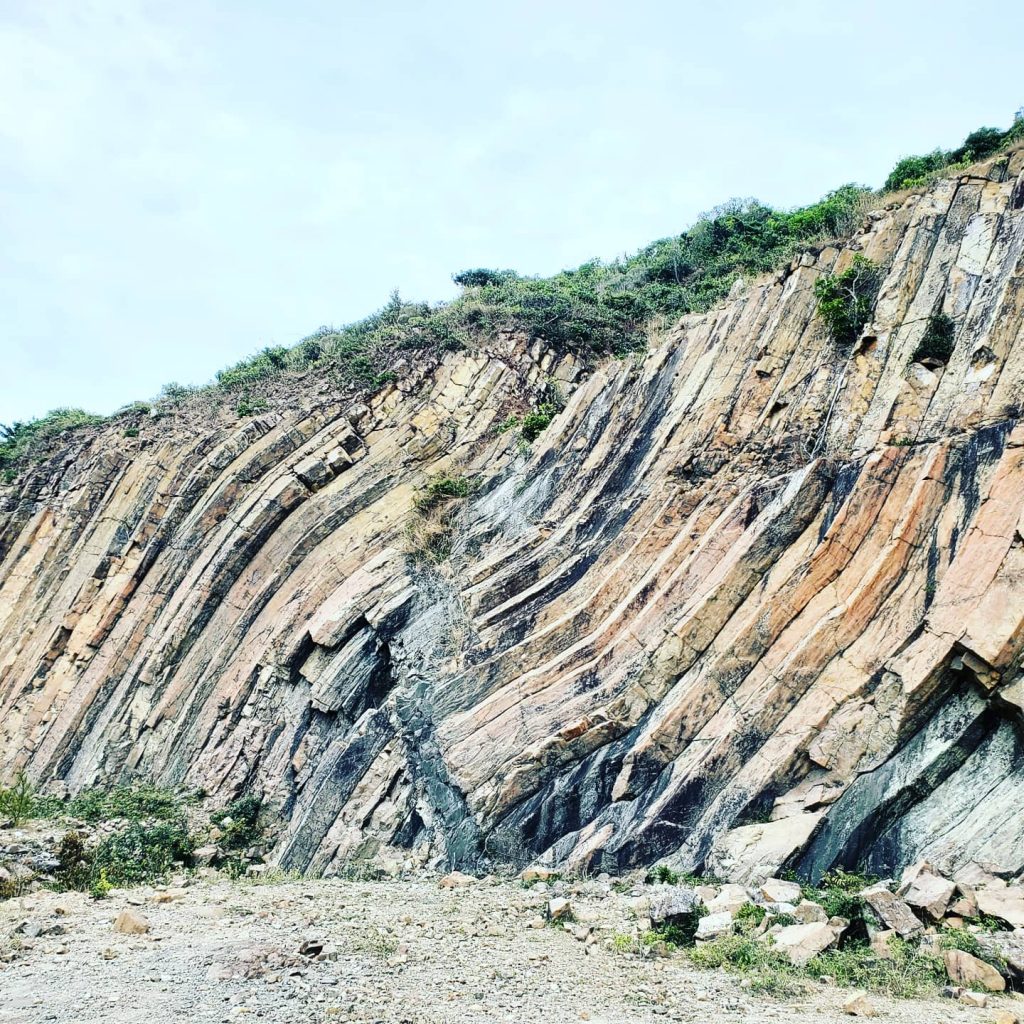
404,951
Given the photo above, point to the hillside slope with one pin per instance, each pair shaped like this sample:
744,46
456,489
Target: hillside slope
751,600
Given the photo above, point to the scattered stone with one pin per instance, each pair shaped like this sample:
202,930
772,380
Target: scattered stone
457,880
130,923
880,943
170,895
807,912
730,898
1006,903
928,892
801,942
559,909
857,1004
711,926
673,901
892,911
965,969
969,998
776,890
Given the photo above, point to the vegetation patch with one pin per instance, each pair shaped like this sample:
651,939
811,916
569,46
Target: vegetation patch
847,300
937,340
240,823
428,532
915,171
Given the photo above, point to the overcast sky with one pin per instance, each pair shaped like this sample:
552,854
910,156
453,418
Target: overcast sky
184,182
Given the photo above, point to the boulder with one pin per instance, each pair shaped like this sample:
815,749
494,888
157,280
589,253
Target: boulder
559,909
205,856
801,942
1005,1017
965,969
808,912
880,943
1006,903
130,923
969,998
673,902
753,853
965,901
857,1004
892,912
730,898
711,926
537,873
776,890
456,880
929,893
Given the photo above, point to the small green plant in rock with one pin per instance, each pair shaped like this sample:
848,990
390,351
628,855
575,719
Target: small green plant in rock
251,406
440,489
937,340
662,874
846,300
17,801
749,916
767,970
240,823
839,894
101,886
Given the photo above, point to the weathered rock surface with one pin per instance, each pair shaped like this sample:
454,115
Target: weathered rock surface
968,970
747,574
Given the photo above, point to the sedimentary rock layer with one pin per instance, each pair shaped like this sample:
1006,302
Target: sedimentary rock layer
751,600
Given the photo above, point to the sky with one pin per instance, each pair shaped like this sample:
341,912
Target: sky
183,183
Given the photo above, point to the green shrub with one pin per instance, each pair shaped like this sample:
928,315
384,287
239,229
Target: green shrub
765,969
251,406
960,938
839,894
141,852
749,916
245,828
535,423
937,340
480,277
18,800
22,440
846,300
663,874
74,863
905,973
441,489
914,171
131,802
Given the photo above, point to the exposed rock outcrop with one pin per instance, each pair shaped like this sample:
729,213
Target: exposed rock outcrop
747,581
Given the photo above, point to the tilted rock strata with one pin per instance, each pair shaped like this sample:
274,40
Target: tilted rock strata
749,601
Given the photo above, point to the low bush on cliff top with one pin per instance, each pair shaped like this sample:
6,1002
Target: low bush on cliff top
595,310
914,171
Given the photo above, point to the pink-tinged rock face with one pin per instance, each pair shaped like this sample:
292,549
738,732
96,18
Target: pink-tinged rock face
750,600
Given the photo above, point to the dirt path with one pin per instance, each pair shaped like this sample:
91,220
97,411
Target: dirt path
393,952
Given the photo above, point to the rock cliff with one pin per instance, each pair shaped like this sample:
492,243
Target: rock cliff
751,601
